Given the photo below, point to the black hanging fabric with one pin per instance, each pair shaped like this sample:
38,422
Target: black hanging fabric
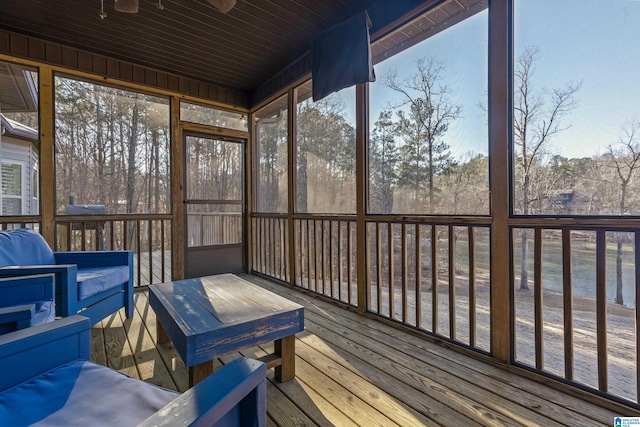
341,56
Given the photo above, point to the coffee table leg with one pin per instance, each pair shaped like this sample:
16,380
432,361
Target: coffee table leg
286,349
199,372
162,333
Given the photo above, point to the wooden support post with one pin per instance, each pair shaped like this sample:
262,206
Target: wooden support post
362,136
286,349
47,161
500,123
177,193
291,176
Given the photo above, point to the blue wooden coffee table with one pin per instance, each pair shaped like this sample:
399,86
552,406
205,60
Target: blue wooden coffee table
210,316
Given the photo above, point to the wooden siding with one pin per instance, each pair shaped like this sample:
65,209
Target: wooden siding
352,370
240,49
20,152
30,48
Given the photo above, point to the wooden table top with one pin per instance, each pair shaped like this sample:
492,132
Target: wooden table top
209,316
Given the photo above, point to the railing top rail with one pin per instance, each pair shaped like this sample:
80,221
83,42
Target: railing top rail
21,218
431,220
621,223
109,217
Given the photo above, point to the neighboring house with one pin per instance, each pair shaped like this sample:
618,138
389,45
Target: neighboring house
19,193
19,144
571,202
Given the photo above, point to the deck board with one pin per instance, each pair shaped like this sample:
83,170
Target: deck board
353,370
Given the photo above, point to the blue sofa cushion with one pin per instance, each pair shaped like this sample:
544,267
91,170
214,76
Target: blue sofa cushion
81,393
92,281
24,247
45,313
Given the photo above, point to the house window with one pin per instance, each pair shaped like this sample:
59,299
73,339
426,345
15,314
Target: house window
12,189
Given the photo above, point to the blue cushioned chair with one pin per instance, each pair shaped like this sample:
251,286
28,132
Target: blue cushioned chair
26,301
47,380
95,284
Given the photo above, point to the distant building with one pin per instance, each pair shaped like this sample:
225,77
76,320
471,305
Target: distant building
571,202
19,144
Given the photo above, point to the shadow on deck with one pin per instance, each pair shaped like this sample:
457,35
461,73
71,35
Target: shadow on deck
352,370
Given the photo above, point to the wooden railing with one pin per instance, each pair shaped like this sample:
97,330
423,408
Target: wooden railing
270,252
11,223
206,229
431,276
149,236
567,323
325,256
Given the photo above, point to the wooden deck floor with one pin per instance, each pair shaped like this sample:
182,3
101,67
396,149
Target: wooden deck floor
352,370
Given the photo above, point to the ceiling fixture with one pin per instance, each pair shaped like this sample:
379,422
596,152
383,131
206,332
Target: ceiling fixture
131,6
102,12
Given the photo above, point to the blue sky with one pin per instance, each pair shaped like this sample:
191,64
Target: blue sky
593,41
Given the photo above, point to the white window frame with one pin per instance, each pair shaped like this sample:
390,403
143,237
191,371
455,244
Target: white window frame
22,197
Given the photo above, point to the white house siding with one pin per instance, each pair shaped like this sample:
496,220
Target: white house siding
23,152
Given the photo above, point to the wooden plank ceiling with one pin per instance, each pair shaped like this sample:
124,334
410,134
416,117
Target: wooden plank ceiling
241,49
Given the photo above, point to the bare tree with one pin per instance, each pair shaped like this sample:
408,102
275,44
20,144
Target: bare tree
430,113
537,119
625,159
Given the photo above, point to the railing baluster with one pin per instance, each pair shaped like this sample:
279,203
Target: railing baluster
331,256
162,249
308,254
391,269
538,298
349,266
637,310
150,244
97,230
340,260
452,282
434,279
405,272
138,250
567,305
471,238
315,255
601,309
124,235
271,252
418,277
112,237
83,235
379,265
299,253
323,266
263,245
69,233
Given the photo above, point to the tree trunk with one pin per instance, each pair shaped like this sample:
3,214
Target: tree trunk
131,161
302,182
